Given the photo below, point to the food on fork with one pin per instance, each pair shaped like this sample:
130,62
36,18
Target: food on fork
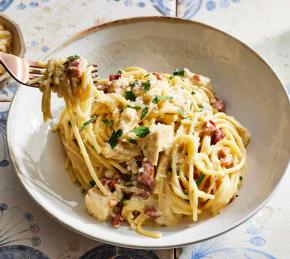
146,148
5,43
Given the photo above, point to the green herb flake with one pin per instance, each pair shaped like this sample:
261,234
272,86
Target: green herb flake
241,178
190,108
121,202
86,123
199,179
72,57
133,84
120,72
146,86
113,140
137,108
92,183
144,112
132,141
178,72
157,98
147,75
141,132
193,92
129,95
108,123
171,77
201,108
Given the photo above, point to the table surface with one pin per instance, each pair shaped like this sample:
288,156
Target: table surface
25,230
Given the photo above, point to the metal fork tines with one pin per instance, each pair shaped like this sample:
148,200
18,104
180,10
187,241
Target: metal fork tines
36,73
22,70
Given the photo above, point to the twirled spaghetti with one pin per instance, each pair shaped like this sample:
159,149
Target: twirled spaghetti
147,148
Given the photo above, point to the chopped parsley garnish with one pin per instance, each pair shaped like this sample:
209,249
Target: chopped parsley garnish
137,108
178,72
141,132
201,108
129,95
171,77
193,92
132,141
157,98
147,75
121,202
120,72
199,179
107,122
113,140
190,108
92,183
73,57
133,84
241,178
86,123
144,112
146,86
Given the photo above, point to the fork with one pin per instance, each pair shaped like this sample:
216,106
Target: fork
26,72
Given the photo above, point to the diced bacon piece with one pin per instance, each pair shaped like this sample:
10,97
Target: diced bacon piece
151,212
74,68
143,194
218,104
105,87
209,128
114,77
136,213
110,182
113,203
158,75
225,157
217,136
146,179
196,77
116,220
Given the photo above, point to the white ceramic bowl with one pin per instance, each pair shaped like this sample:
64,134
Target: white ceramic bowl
252,91
18,44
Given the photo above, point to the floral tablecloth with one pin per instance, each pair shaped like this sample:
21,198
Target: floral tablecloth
27,232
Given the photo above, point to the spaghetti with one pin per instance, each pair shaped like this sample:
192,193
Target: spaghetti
146,148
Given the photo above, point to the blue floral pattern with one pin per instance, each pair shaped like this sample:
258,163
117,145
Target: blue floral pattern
108,251
163,6
219,248
18,226
33,4
189,8
4,4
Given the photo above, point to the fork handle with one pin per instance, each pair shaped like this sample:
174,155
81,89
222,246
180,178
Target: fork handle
15,66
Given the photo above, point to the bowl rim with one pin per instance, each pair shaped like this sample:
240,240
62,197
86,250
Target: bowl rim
22,45
130,21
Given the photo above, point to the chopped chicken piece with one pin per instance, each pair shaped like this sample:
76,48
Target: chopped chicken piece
128,120
158,140
98,205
